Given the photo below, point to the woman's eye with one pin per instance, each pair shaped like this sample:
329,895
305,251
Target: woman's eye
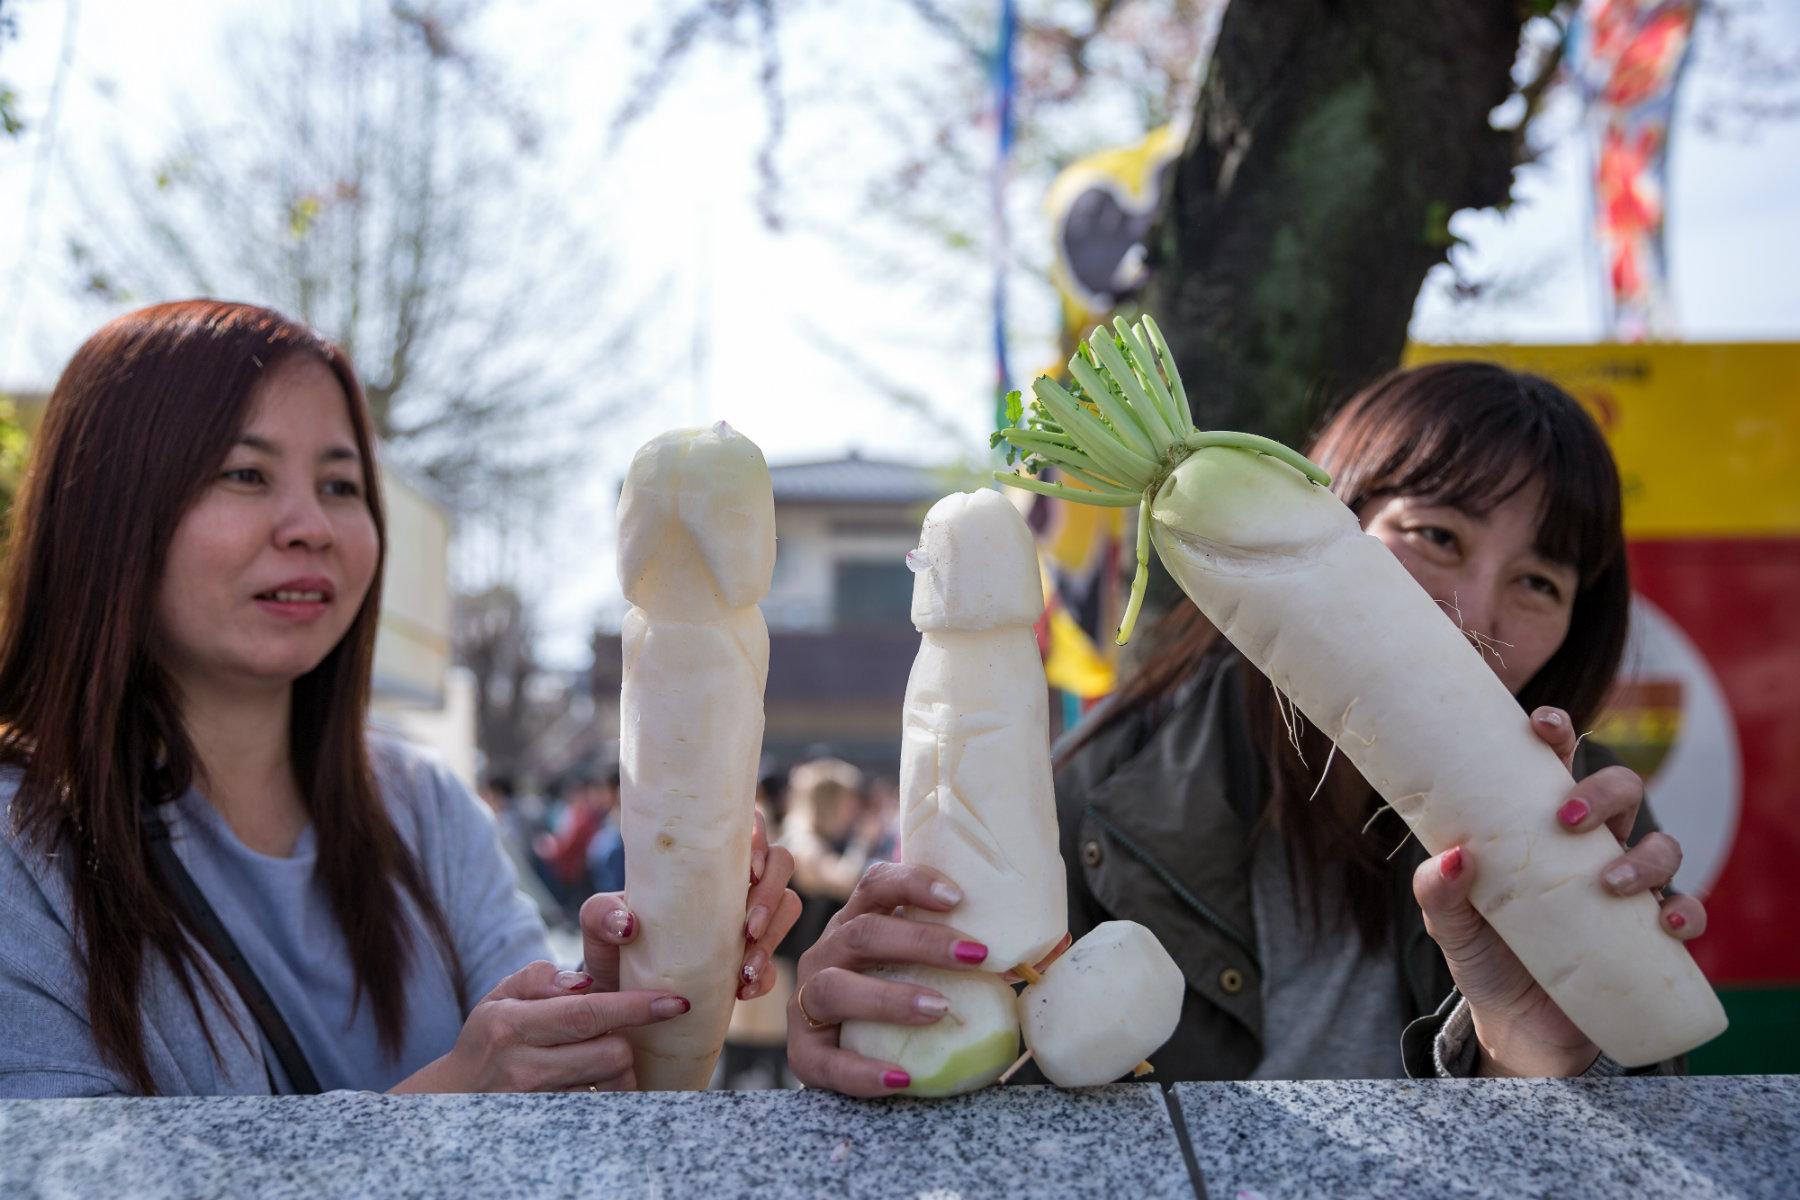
1436,535
242,475
343,487
1544,585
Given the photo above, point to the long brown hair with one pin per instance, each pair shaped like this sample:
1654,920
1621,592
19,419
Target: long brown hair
134,431
1463,434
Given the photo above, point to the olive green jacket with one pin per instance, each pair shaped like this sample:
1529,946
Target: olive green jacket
1156,817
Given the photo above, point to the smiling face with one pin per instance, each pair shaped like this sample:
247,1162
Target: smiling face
269,566
1487,573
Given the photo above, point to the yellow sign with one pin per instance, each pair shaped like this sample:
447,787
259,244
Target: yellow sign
1707,435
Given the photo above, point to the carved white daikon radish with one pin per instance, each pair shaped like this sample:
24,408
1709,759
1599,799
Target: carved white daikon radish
696,552
966,1049
1102,1008
1283,569
975,795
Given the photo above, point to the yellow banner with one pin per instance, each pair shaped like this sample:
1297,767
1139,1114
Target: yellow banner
1707,435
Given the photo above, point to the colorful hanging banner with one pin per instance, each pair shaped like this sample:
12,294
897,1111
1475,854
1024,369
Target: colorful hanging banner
1627,57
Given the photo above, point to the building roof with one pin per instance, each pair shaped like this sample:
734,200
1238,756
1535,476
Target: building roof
858,480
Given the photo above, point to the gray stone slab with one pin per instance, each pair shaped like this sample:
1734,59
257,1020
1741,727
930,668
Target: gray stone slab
1014,1142
1694,1137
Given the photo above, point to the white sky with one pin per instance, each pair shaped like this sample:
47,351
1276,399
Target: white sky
677,201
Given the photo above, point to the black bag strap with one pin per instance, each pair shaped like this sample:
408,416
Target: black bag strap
212,935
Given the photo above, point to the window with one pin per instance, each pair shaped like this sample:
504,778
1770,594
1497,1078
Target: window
872,593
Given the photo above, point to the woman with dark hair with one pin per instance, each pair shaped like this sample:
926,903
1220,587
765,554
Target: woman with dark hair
1316,938
212,880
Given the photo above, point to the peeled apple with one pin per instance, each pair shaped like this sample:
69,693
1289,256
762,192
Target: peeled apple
696,553
968,1048
1106,1005
976,801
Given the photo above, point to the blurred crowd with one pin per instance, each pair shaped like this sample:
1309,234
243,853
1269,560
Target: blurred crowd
833,817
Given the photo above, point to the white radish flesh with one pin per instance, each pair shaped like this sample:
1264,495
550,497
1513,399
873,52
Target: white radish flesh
976,801
964,1050
1334,620
696,552
1102,1008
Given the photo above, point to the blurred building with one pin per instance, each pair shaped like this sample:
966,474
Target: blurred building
841,640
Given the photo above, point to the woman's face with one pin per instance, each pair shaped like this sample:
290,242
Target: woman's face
268,568
1487,574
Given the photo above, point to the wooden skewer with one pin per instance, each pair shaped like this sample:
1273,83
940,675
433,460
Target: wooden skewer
1014,1069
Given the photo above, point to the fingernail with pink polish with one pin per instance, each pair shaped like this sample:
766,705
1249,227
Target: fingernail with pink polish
970,952
931,1006
574,981
1551,719
946,893
1620,876
620,923
1573,812
896,1079
1677,921
758,865
664,1007
1451,865
757,923
748,974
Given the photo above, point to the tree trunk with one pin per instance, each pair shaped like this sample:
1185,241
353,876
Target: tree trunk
1331,143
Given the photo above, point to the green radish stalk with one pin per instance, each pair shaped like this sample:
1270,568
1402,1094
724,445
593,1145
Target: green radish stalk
1283,569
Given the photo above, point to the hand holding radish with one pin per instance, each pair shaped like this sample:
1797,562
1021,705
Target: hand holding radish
1519,1028
770,910
545,1030
868,932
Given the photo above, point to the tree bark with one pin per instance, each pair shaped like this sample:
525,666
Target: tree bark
1331,142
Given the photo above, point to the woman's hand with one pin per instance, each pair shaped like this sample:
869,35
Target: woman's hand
770,910
867,931
545,1030
1521,1031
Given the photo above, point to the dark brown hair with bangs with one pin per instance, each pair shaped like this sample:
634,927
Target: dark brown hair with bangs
134,431
1462,434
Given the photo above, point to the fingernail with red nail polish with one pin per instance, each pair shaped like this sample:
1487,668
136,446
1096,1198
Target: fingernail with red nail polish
757,924
1677,921
758,865
620,922
664,1007
573,981
749,974
970,952
1451,865
1573,812
896,1079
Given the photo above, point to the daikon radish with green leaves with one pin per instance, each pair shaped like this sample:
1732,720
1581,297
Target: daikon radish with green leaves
1251,533
696,553
976,801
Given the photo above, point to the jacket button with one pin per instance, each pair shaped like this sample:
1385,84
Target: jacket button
1231,980
1090,853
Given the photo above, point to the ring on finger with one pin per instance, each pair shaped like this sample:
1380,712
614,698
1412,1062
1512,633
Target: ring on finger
800,1003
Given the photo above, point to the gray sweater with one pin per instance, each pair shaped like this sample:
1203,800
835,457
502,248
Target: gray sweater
279,917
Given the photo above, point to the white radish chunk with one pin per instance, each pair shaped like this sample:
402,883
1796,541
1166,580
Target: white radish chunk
976,801
696,552
1334,620
1102,1008
964,1050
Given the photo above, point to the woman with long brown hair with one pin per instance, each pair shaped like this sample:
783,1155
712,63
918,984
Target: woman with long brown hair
212,879
1316,939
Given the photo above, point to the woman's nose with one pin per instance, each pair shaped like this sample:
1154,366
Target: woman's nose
303,522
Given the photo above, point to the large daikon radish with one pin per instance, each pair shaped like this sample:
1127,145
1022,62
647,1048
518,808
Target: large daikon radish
1103,1007
1327,612
696,552
975,795
965,1049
